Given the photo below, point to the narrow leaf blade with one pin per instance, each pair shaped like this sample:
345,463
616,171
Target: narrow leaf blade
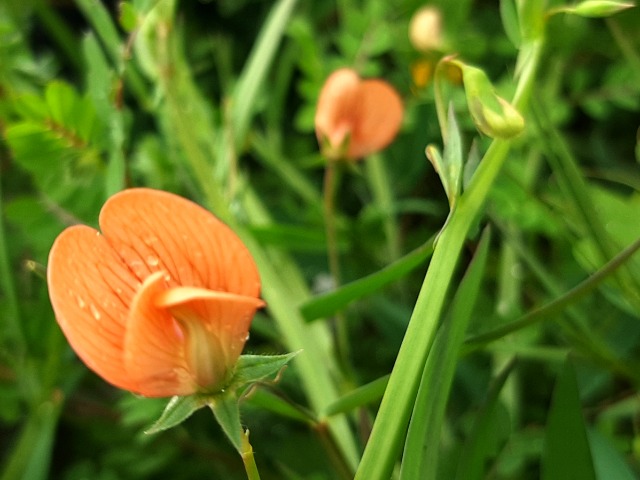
566,451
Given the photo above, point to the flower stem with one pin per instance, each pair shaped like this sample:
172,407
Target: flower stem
330,187
341,332
248,459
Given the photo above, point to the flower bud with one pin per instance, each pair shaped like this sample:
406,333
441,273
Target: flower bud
598,8
493,115
425,29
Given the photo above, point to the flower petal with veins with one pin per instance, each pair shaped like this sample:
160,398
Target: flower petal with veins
160,303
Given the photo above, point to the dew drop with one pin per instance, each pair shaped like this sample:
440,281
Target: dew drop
95,312
81,303
151,240
152,261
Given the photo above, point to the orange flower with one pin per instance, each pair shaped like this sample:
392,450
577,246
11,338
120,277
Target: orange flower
160,302
356,117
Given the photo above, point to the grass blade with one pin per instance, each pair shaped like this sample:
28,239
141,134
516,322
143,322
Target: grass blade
421,451
566,451
330,303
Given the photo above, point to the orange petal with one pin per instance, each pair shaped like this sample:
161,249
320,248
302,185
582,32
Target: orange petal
154,355
379,116
216,326
337,102
155,231
90,290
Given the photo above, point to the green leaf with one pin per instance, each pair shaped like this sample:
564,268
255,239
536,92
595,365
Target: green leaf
328,304
253,368
608,461
449,165
566,451
363,395
597,8
421,452
177,411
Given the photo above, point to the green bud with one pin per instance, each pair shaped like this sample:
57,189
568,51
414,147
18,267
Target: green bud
598,8
128,17
493,115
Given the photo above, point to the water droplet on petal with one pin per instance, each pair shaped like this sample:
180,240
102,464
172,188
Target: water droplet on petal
95,312
152,261
81,303
151,240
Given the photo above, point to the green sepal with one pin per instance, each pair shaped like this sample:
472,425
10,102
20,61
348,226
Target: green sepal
249,370
255,368
177,411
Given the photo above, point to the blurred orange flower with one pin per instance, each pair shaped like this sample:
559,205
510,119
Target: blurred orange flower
161,301
356,117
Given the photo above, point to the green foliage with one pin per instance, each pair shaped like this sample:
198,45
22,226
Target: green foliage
566,452
216,101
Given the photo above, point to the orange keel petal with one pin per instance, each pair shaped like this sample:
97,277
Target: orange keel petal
216,325
154,345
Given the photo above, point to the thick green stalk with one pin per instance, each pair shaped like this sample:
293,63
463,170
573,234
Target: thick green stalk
387,436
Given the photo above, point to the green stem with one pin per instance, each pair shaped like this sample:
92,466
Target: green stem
341,332
387,435
248,459
330,187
